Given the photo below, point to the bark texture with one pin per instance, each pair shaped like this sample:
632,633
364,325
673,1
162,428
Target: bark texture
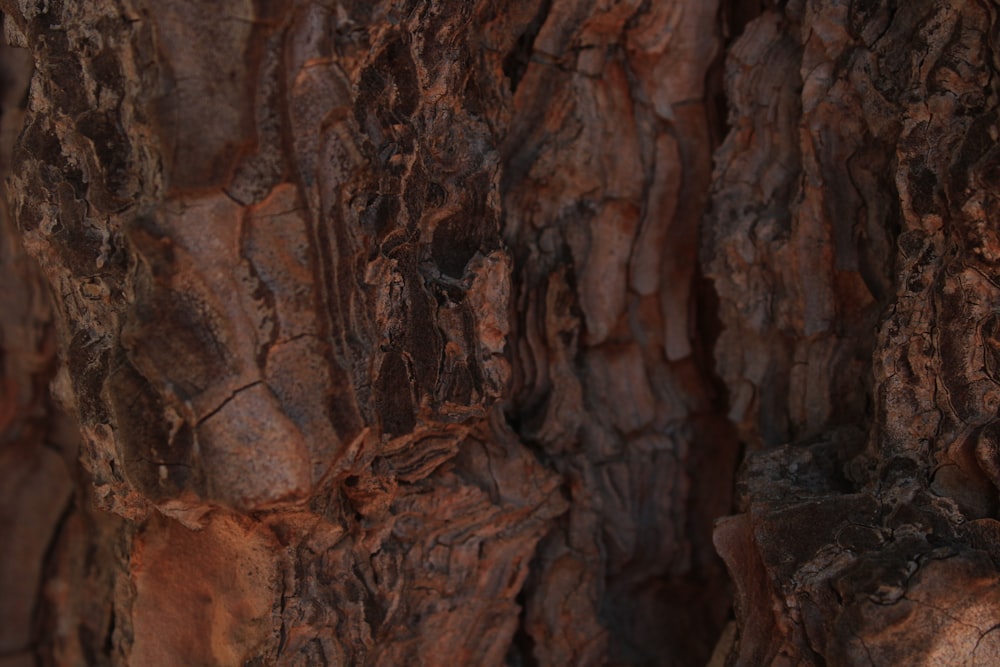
377,323
853,235
425,333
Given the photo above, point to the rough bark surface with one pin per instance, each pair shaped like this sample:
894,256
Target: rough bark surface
378,325
425,333
853,235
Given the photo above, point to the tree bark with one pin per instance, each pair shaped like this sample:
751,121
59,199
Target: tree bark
358,303
852,236
425,333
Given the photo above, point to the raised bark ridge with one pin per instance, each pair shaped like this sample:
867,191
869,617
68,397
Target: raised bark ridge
852,199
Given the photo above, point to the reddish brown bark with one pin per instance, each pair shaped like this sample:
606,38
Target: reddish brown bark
852,244
430,333
359,303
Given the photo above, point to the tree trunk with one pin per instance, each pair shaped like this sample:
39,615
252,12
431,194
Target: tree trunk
384,337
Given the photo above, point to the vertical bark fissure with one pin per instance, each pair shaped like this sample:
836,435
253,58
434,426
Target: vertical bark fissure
572,343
